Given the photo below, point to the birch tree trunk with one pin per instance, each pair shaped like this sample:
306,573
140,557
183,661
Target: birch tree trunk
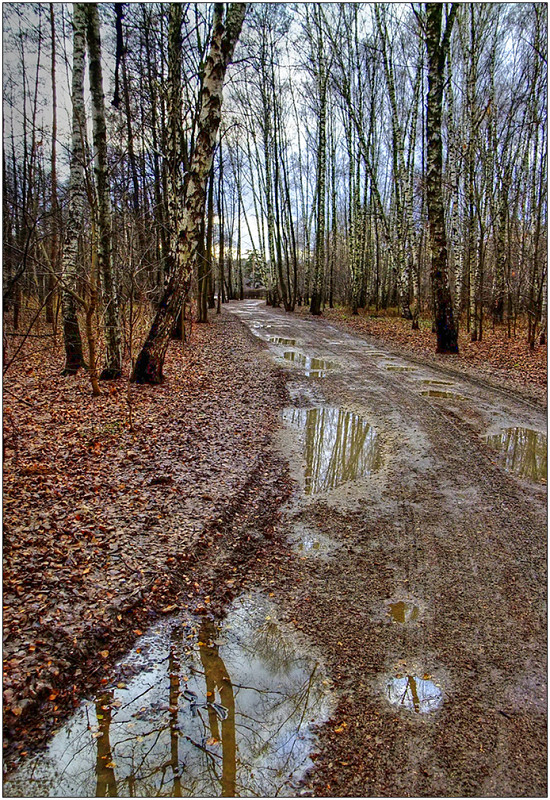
74,358
150,361
319,264
113,355
54,249
436,47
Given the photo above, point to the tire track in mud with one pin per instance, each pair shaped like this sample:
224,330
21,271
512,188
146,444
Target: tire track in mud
444,526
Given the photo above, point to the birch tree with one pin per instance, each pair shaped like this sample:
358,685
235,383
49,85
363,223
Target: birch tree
113,356
74,225
437,44
224,36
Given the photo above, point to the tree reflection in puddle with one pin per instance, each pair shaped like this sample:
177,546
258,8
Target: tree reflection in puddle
525,451
313,367
414,694
209,711
339,446
403,612
280,340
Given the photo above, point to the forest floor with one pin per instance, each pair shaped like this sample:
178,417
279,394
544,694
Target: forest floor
106,529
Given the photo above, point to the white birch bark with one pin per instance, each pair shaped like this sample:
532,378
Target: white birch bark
224,36
113,355
75,212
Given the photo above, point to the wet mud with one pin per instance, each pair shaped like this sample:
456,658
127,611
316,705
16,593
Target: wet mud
431,609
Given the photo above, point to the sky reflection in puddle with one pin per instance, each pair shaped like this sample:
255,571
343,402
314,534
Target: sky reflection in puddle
525,452
209,711
414,694
339,446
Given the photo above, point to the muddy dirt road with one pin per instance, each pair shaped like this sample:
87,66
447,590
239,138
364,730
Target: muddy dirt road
418,567
389,596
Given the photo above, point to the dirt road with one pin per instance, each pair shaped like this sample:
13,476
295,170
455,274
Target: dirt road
416,566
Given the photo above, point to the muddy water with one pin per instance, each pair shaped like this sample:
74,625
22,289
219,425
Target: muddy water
339,446
313,367
441,394
525,452
403,612
200,711
396,368
414,694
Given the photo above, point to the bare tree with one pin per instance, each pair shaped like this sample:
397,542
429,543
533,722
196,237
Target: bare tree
224,36
113,357
437,44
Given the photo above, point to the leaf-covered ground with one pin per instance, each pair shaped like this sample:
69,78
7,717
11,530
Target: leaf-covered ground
508,359
105,527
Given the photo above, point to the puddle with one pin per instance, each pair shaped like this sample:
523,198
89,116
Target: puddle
414,694
309,542
403,612
381,355
203,712
282,341
395,368
314,367
441,394
525,451
437,383
339,446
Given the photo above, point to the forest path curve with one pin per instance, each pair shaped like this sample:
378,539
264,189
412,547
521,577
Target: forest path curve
435,522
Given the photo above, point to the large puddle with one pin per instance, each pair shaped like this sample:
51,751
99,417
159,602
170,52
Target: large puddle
313,367
525,452
201,711
339,446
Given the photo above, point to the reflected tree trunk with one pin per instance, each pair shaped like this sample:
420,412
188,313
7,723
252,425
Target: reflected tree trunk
217,678
106,781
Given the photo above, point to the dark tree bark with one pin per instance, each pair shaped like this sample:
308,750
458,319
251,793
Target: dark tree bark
437,46
205,256
74,358
150,361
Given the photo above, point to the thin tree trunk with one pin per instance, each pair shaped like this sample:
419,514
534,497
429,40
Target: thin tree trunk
54,249
319,266
113,355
